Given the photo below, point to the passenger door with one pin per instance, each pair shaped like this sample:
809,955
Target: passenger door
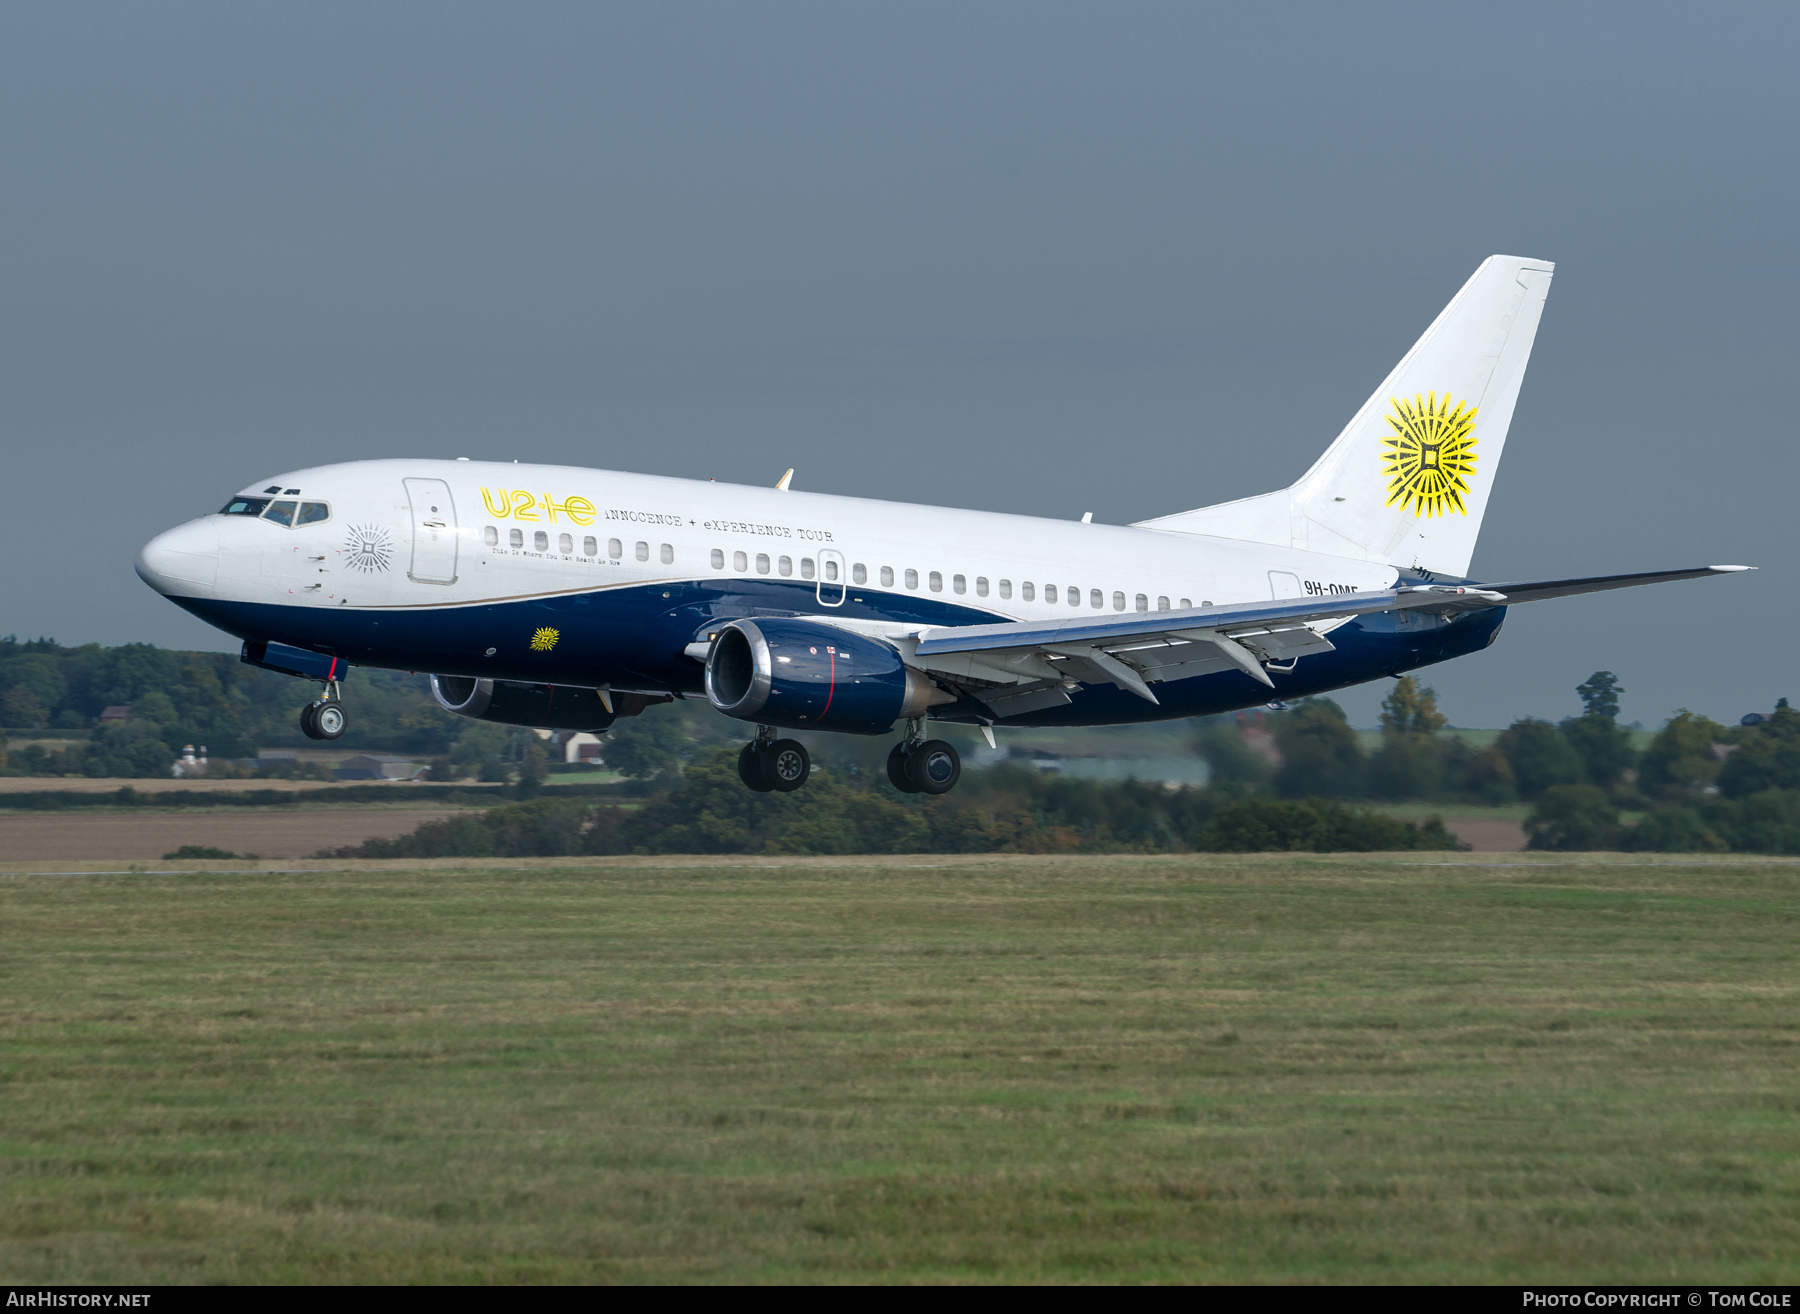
434,532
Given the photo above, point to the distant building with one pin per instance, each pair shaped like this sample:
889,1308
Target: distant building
189,764
578,746
378,766
115,715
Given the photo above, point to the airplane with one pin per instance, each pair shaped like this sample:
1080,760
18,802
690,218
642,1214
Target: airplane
565,597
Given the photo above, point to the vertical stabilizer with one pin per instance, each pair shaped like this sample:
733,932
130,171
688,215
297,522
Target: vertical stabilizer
1407,481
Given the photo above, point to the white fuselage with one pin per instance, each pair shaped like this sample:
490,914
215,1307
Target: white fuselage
511,532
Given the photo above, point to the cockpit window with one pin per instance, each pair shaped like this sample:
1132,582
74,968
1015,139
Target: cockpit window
312,513
281,512
244,506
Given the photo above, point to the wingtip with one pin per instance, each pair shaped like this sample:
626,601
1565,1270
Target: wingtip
1728,570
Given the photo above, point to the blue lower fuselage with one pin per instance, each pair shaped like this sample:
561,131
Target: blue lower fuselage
633,638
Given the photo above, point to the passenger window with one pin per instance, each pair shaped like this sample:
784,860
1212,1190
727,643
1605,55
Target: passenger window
565,544
245,506
541,541
762,563
1049,592
515,538
282,513
590,547
740,562
1188,602
1141,602
614,548
1118,601
807,569
912,578
981,586
785,565
666,554
643,551
831,570
313,513
958,584
718,558
937,581
1027,589
1162,602
491,536
1075,596
859,574
887,577
1204,604
1005,588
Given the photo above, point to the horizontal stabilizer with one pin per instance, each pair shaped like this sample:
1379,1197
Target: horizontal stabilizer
1539,590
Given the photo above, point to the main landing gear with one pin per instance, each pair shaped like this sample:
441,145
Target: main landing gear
325,718
768,763
923,766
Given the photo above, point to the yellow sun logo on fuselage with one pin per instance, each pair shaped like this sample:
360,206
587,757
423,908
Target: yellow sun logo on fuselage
1430,455
545,639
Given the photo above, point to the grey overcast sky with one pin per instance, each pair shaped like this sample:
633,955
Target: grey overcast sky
1045,258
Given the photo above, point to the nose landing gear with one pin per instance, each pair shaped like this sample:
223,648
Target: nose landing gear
768,763
325,718
923,766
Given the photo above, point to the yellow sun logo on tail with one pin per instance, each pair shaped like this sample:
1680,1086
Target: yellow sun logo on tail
545,639
1430,455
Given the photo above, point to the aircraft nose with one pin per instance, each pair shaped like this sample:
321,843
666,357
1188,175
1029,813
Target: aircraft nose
182,559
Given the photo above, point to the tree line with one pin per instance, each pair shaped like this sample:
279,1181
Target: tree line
1697,785
848,810
215,701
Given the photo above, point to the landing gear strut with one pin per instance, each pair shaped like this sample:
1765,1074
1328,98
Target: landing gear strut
923,766
767,763
325,718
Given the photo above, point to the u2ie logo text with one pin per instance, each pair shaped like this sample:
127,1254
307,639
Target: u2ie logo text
520,504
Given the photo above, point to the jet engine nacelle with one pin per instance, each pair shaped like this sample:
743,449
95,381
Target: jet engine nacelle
806,676
514,702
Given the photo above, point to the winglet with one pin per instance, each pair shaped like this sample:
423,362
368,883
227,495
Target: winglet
782,483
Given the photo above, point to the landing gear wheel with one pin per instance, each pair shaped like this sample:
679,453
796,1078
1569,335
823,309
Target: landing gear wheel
308,726
896,768
934,767
787,764
752,768
330,719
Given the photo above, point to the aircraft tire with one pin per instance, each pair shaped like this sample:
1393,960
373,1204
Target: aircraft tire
752,768
329,719
787,764
896,769
934,767
308,726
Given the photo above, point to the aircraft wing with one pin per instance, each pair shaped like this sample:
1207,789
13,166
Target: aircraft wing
1024,666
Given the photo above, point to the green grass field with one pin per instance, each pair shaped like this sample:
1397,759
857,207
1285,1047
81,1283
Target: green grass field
1425,1068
